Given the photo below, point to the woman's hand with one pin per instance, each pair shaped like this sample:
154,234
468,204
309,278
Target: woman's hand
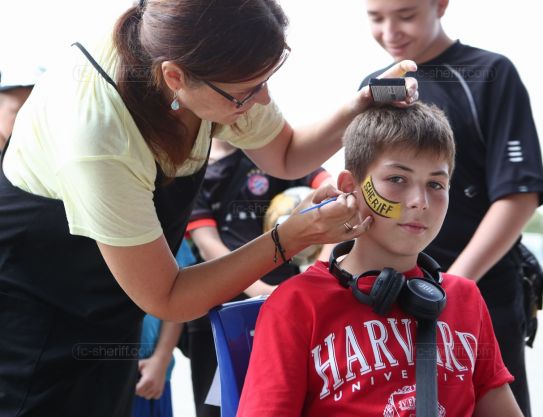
365,99
333,222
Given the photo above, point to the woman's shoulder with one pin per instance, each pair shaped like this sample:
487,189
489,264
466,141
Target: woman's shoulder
88,110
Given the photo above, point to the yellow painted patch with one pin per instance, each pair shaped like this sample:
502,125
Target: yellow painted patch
377,203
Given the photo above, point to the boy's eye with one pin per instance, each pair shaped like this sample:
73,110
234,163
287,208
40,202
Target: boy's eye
376,19
396,179
407,18
436,185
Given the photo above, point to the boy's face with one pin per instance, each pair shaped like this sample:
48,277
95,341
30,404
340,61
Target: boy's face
419,183
407,29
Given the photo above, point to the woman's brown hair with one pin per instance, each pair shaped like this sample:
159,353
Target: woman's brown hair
213,40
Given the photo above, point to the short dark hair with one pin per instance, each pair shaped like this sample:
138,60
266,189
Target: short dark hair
419,127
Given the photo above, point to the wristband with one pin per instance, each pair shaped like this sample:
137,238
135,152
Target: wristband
278,247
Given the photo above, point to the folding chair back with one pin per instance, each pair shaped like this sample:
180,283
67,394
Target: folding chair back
233,330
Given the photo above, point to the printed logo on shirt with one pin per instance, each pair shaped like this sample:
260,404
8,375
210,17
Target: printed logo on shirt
370,354
403,401
514,151
257,183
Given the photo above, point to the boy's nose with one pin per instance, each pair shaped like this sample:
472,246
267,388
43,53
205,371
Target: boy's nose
418,199
390,31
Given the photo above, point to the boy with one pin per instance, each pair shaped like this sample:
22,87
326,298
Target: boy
499,179
336,356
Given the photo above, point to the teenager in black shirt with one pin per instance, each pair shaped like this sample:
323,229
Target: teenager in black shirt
498,181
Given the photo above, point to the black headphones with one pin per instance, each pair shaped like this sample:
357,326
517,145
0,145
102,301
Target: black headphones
423,298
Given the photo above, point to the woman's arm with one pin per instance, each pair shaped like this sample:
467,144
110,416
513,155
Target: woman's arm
211,246
498,402
151,278
295,152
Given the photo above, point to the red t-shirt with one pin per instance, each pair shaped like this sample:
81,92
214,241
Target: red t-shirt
319,352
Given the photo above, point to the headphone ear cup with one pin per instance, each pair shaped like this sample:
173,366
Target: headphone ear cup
423,298
386,289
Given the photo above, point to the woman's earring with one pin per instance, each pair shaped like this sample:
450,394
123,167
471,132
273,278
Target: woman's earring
175,103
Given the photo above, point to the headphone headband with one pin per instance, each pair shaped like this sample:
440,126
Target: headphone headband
340,249
429,266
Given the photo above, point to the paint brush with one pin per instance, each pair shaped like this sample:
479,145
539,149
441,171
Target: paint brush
316,206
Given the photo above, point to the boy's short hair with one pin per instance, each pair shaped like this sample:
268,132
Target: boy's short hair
419,127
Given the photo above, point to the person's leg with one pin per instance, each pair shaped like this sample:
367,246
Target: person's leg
203,363
164,403
141,407
511,340
504,298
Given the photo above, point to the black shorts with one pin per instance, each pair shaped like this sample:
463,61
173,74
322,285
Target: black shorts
203,364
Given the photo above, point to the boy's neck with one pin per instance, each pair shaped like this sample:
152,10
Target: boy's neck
367,256
440,45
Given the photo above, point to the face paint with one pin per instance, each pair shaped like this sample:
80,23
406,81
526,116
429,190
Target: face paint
377,203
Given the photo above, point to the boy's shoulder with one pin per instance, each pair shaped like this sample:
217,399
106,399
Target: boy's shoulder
317,277
319,285
314,278
460,289
473,57
465,58
314,284
456,282
473,51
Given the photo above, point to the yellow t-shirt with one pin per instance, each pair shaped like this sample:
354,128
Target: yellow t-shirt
74,140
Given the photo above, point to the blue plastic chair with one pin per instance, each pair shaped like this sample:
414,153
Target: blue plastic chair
233,330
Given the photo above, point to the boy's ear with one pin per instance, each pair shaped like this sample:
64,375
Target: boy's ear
442,7
346,182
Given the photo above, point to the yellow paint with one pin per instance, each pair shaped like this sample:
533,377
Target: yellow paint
377,203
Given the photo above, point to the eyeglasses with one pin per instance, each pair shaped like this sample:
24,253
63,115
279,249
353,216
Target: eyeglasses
254,91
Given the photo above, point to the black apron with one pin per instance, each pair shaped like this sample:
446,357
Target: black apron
69,334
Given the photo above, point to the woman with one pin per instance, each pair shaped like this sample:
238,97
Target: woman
105,160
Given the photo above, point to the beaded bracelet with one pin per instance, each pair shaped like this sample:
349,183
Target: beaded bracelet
278,247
